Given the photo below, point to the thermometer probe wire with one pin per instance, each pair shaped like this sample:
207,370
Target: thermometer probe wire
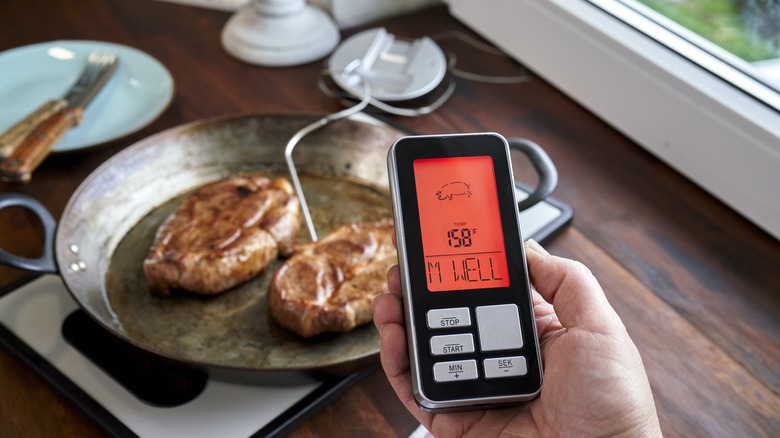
348,112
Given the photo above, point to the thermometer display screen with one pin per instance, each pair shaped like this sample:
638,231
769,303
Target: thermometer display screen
460,223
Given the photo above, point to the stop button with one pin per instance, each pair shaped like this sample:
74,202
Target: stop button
448,318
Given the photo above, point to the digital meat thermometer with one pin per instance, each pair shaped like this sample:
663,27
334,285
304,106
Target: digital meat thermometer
467,300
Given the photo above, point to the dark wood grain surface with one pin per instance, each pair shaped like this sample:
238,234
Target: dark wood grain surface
696,284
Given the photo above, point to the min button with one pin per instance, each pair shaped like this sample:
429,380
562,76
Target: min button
455,371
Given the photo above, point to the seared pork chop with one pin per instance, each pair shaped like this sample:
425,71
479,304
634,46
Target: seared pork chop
328,285
224,234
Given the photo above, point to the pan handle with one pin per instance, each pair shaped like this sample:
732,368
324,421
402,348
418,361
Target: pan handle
45,263
548,175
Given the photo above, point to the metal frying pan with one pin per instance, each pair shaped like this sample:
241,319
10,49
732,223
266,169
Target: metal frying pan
109,223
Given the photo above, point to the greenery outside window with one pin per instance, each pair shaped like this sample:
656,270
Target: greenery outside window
742,33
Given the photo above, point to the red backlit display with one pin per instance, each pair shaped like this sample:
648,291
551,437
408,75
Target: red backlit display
460,222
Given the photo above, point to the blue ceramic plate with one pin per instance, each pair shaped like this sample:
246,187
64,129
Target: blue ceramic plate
138,92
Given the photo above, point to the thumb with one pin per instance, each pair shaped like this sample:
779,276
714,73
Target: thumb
573,291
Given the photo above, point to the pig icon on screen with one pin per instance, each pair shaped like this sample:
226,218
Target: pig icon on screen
455,188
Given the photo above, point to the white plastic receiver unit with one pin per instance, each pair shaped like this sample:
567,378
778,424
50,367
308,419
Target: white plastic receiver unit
396,69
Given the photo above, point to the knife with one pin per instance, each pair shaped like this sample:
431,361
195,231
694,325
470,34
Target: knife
13,137
27,143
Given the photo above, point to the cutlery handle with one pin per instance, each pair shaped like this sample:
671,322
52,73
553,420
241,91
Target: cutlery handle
20,164
15,135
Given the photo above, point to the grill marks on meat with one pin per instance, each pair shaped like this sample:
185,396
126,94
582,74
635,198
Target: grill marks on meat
224,234
328,286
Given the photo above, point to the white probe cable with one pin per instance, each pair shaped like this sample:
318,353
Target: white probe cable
344,98
360,106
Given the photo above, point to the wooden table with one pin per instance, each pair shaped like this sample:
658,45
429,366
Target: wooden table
695,283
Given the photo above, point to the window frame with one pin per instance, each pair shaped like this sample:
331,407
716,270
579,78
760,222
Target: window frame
692,117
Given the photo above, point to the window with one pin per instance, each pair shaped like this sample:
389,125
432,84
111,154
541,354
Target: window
749,29
736,40
706,112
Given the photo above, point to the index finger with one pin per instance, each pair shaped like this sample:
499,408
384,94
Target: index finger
573,291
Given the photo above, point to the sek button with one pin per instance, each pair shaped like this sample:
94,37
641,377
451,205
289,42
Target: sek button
446,318
505,367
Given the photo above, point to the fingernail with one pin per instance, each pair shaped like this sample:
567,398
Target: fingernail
375,297
534,246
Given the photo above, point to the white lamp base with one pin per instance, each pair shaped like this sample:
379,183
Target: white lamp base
279,33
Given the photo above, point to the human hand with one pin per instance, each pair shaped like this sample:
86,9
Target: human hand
594,380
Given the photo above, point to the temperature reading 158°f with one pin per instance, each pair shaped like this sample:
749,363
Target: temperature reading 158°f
460,237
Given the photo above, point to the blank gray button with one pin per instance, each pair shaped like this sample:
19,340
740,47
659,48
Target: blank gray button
499,327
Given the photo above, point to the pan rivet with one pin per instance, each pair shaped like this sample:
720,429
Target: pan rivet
78,266
74,248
